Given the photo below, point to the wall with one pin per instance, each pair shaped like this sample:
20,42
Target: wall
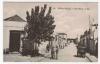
11,25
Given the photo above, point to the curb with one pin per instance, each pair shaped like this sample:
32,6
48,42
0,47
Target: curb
89,59
92,58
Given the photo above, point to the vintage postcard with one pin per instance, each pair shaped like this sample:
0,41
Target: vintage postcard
50,32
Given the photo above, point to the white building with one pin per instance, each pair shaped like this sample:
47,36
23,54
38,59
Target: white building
12,32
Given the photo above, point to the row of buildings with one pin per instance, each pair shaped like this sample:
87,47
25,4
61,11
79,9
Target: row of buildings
61,39
90,39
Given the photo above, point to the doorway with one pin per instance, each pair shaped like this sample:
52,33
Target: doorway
14,41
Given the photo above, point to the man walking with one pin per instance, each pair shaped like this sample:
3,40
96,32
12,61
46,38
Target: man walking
57,50
52,52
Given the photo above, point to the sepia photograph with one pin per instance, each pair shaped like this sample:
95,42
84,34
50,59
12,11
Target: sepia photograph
50,31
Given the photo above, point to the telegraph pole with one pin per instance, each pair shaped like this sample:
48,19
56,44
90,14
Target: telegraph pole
89,34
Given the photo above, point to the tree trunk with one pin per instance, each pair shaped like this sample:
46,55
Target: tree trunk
35,50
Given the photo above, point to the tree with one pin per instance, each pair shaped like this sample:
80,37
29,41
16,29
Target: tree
39,26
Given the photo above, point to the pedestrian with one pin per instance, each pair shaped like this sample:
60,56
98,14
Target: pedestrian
96,53
47,47
57,50
52,52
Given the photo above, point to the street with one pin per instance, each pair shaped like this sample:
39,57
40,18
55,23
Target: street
65,55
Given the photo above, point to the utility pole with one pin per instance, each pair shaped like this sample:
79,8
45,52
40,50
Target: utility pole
90,24
91,36
90,30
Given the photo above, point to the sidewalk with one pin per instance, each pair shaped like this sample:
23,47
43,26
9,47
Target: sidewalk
91,58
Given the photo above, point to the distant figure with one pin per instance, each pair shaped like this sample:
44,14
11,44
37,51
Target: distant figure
47,47
52,52
57,50
96,50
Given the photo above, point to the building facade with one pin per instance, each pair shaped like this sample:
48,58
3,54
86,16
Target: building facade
12,32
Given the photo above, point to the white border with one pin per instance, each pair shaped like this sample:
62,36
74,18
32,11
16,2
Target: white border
52,0
1,31
99,32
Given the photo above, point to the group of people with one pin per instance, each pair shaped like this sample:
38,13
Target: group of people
54,51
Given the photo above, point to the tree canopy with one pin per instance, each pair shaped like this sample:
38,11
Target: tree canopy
40,25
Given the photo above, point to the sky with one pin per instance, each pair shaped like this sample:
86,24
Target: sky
70,18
